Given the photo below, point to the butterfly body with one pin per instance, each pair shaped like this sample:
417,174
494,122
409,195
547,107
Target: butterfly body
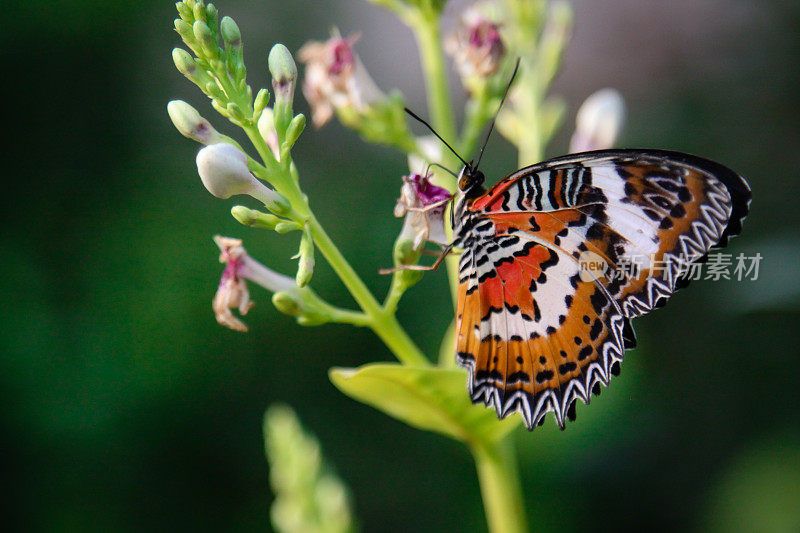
535,329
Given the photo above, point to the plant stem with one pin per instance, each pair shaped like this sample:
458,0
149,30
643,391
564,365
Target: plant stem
384,324
478,115
426,29
500,488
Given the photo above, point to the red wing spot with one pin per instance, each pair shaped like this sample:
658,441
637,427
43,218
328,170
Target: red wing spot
491,294
492,195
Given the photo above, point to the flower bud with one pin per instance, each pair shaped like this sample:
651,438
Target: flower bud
213,90
599,121
262,99
296,127
184,62
266,127
305,267
199,10
286,302
184,11
234,111
283,70
284,78
190,124
254,218
223,170
212,15
206,39
230,33
184,29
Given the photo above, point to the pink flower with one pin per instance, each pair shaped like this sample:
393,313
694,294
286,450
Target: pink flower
335,78
476,46
423,204
232,292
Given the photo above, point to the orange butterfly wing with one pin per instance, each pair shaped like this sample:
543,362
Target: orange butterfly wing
534,329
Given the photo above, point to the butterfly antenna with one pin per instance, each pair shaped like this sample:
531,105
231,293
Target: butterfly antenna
417,117
442,167
491,126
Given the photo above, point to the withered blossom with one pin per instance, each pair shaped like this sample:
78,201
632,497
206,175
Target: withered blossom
232,292
335,78
423,205
476,45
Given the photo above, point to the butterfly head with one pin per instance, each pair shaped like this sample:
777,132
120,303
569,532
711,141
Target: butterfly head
470,179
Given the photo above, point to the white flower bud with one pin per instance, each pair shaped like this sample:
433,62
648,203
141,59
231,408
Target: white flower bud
599,121
223,170
284,71
190,124
266,127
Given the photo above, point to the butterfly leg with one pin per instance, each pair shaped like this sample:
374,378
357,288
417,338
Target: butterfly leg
434,266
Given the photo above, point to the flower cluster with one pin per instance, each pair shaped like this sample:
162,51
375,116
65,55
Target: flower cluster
336,83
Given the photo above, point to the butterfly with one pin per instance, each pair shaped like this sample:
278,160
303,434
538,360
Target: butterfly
535,329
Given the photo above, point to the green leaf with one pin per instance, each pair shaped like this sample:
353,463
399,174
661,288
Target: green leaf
434,399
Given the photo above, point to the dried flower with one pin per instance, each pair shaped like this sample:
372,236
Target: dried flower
232,292
423,205
476,46
335,78
598,122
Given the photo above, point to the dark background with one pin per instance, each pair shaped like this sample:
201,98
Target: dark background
123,406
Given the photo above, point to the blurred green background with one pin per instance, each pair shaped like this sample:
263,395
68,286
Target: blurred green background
126,407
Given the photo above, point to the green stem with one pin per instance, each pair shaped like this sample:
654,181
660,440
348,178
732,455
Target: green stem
500,487
478,115
384,324
343,316
426,29
279,179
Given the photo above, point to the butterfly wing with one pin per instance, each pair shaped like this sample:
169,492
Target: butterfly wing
535,330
